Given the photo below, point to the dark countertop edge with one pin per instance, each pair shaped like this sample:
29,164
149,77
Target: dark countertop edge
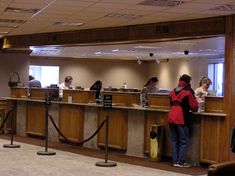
115,107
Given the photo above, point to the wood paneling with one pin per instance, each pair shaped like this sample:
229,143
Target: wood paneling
159,101
35,119
79,96
19,92
211,137
123,98
224,145
214,104
118,128
71,122
38,93
156,31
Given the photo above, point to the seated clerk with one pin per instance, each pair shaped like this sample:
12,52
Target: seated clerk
33,82
202,90
97,86
67,84
149,87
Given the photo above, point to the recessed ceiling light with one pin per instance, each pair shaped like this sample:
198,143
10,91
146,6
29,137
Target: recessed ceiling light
224,7
12,21
163,3
61,23
115,50
123,16
21,10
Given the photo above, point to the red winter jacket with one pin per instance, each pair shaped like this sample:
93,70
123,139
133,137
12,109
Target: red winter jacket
182,100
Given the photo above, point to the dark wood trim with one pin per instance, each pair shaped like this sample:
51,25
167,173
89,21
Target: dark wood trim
155,31
224,146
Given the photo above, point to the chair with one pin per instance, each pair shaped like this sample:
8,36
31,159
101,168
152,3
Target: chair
222,169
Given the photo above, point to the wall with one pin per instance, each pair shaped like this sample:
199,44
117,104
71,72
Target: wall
9,62
169,72
85,73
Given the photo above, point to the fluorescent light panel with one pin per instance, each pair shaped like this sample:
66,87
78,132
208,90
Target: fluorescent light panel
21,10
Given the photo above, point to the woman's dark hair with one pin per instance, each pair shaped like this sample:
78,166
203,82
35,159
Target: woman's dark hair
68,78
31,77
96,86
153,79
185,78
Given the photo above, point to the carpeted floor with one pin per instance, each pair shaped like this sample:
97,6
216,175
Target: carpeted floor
115,156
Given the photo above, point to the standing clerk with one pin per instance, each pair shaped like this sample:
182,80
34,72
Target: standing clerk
182,100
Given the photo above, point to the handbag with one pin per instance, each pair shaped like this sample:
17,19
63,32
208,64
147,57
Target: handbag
12,82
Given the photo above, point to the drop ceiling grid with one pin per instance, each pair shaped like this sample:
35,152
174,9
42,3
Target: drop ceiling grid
93,12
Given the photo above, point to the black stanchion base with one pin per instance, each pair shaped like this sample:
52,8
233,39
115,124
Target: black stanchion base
46,153
106,164
11,146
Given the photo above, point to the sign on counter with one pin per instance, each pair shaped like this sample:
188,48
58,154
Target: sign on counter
107,102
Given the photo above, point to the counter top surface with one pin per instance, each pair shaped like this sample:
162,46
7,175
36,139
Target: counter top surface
115,106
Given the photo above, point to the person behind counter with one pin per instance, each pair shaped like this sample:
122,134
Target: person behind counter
182,100
202,90
149,87
67,84
97,86
33,82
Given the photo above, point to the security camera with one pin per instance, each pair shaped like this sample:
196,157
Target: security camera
186,52
151,54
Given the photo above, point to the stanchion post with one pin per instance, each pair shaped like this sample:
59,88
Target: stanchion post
46,152
107,104
12,115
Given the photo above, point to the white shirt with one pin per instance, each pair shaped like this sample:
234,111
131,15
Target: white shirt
62,87
200,93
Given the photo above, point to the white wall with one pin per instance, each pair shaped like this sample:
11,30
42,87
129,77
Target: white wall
9,62
169,72
115,73
111,73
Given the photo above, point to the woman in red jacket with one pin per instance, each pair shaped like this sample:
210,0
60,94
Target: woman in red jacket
182,100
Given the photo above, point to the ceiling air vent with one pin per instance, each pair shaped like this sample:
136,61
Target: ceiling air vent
224,7
9,25
12,21
21,10
162,3
61,23
123,16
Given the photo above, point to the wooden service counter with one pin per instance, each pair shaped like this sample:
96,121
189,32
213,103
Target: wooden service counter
130,123
71,117
118,119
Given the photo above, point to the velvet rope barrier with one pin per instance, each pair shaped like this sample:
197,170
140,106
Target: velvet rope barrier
5,120
72,142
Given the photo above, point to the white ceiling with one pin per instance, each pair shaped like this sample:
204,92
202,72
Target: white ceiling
197,48
97,13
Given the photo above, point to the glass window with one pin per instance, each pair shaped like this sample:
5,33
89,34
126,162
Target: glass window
215,73
47,75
